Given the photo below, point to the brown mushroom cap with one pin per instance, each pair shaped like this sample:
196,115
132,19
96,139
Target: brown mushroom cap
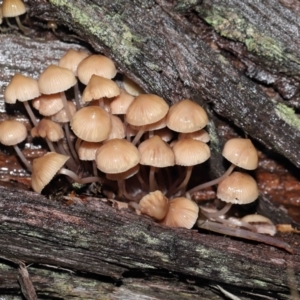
190,152
155,205
124,175
200,135
12,132
155,152
238,188
100,87
21,88
117,130
116,156
71,59
182,212
91,124
131,87
61,116
49,104
55,79
44,169
186,116
241,152
13,8
120,103
87,150
49,129
96,64
146,109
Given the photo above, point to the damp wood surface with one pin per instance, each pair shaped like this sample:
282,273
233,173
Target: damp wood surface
165,55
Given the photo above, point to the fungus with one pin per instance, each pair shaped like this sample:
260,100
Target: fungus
13,133
14,9
155,205
131,87
91,124
22,88
182,212
70,60
200,135
117,129
99,87
46,167
262,224
156,154
145,109
54,80
48,105
241,153
120,103
96,64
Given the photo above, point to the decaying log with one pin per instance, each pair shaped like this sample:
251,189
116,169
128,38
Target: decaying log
94,237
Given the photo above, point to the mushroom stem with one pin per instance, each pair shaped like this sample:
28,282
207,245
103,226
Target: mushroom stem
66,106
213,215
22,157
184,183
71,164
95,170
138,135
10,25
122,191
75,177
212,182
242,233
76,93
152,181
23,28
70,144
30,113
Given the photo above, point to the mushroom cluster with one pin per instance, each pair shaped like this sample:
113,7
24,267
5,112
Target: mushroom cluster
114,133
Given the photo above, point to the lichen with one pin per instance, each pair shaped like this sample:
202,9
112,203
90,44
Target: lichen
232,25
119,38
288,115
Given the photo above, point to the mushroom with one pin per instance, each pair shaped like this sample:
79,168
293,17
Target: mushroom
155,205
182,212
200,135
131,87
145,109
46,167
96,64
70,60
22,88
13,133
156,154
54,80
241,153
13,9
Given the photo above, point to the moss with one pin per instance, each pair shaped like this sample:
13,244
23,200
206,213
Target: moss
119,38
288,115
231,25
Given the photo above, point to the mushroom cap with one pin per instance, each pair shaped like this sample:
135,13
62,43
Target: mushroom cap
71,59
238,188
44,169
12,132
155,152
55,79
21,88
155,205
165,134
87,150
182,212
262,224
91,124
117,156
49,129
190,152
146,109
61,116
117,130
120,103
124,175
100,87
186,116
13,8
241,152
49,104
96,64
131,87
200,135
